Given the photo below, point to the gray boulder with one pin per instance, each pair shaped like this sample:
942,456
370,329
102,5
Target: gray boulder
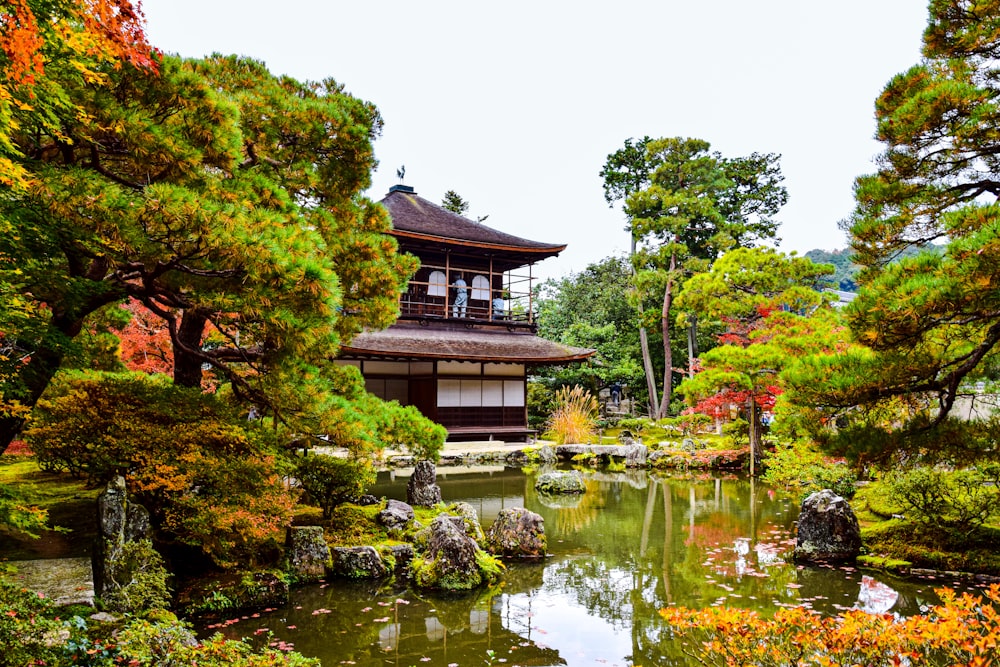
517,533
396,514
636,455
422,488
560,482
358,563
308,553
547,455
828,529
123,553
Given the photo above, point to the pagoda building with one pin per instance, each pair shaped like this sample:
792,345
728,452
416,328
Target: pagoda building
465,339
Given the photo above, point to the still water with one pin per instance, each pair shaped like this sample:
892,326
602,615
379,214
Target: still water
630,546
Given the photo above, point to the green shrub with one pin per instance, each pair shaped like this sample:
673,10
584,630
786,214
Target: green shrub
18,515
634,425
687,424
169,644
737,430
801,466
962,500
404,426
139,579
541,404
332,481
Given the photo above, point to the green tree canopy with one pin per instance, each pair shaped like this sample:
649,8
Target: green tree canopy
454,202
761,296
931,322
227,201
697,204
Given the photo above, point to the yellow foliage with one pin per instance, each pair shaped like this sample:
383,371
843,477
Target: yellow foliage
574,419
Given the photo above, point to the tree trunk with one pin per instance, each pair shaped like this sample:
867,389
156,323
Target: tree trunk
39,371
647,365
668,357
653,396
755,434
692,343
187,364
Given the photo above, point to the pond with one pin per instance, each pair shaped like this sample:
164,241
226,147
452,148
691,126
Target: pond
630,546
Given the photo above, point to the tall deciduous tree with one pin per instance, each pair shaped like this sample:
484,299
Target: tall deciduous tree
223,199
42,44
696,205
625,172
930,323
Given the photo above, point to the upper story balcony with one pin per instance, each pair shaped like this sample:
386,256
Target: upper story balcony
472,296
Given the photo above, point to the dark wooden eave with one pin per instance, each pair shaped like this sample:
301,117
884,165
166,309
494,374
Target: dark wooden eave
421,222
411,341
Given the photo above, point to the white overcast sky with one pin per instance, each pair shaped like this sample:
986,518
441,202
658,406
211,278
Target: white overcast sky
516,105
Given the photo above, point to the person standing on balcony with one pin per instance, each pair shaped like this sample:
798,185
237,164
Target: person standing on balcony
461,297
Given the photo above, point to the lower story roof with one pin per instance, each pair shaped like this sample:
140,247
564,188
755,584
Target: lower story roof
414,341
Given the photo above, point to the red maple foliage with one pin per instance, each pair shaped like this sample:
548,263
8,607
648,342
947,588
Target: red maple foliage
145,341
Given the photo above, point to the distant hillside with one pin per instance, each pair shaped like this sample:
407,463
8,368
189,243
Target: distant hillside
843,277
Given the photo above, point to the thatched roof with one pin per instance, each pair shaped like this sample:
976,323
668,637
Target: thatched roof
416,218
405,340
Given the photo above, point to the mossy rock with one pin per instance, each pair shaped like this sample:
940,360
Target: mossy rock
453,561
363,562
561,483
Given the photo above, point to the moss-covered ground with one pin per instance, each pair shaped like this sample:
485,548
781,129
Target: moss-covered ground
68,501
896,544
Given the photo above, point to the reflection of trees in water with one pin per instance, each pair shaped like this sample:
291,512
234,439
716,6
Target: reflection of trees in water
603,590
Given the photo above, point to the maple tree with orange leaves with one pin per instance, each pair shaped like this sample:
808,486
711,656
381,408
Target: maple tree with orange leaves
41,43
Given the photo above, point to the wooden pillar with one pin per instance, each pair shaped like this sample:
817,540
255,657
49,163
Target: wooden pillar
447,285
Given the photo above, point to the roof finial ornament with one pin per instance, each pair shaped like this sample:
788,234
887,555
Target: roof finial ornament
401,172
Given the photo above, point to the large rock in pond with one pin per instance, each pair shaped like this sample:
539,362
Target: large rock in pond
547,455
828,529
560,482
636,455
358,563
422,488
396,514
308,553
517,533
453,560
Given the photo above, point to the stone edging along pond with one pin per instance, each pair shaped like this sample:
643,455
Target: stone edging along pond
634,456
